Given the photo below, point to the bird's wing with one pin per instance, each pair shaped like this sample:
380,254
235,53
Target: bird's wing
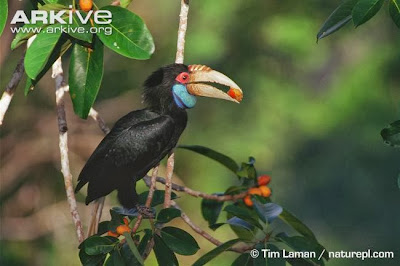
137,142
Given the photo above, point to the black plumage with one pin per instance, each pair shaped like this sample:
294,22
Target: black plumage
137,142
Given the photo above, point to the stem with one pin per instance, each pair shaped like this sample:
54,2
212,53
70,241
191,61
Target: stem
183,21
148,200
58,76
200,194
10,88
168,180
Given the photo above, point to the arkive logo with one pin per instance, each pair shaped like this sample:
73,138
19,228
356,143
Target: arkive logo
101,17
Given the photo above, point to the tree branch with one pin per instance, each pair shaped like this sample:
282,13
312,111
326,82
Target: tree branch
195,193
207,236
96,117
13,83
168,180
58,76
149,199
10,88
183,19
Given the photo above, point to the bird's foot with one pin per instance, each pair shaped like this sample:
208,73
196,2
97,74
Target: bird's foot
146,212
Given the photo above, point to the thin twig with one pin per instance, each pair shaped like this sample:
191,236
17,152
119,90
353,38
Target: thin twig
96,117
116,3
183,19
97,206
58,76
207,236
196,193
10,88
168,180
13,83
149,198
183,22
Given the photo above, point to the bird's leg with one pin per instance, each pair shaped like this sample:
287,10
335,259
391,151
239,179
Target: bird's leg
146,212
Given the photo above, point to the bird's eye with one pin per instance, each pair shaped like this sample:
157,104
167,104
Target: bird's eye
183,77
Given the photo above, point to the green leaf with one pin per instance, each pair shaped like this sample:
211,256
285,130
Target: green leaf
243,260
39,52
215,252
148,235
279,261
299,243
391,134
158,197
235,221
270,261
219,157
128,256
104,227
268,211
52,6
130,36
125,3
85,75
291,220
78,30
164,255
210,209
245,214
394,11
89,260
179,241
339,17
248,171
96,245
398,181
116,219
25,32
3,14
166,215
133,248
62,46
115,259
364,10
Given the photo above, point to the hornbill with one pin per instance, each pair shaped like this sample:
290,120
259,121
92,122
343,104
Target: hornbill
141,139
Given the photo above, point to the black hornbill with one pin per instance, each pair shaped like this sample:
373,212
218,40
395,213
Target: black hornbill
141,139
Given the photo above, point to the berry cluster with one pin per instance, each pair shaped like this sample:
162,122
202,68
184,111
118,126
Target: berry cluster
121,229
261,190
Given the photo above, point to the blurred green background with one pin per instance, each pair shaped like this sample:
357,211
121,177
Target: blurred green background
311,116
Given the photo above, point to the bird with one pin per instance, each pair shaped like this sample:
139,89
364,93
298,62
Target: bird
142,138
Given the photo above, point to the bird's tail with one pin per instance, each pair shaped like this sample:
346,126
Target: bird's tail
97,208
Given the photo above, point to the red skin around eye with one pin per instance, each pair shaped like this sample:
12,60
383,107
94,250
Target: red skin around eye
183,78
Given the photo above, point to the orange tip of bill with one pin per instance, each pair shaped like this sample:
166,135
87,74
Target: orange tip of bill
235,94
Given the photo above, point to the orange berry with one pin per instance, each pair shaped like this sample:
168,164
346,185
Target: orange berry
86,5
126,221
265,191
263,180
113,234
121,229
247,200
235,94
254,191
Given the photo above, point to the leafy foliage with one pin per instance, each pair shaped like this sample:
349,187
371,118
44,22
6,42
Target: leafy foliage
86,73
394,10
252,225
3,14
360,11
391,134
129,37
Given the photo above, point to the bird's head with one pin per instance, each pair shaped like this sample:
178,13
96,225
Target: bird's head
177,85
